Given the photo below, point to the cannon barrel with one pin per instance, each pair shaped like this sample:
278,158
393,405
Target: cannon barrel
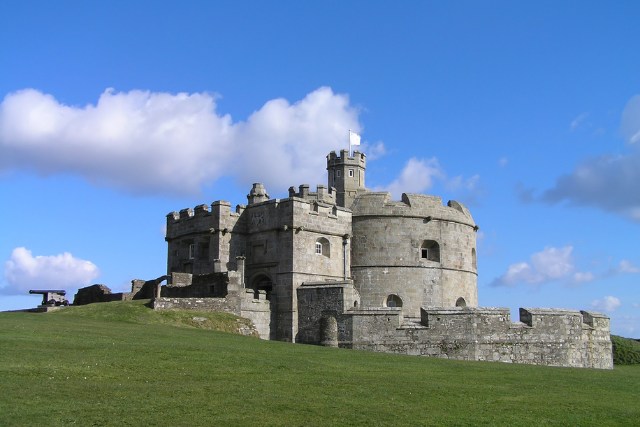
49,291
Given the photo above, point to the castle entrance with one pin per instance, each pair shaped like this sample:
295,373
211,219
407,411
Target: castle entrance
262,283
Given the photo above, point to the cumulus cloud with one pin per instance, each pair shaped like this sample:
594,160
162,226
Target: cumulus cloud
547,265
626,266
417,176
23,271
148,142
607,182
608,304
583,277
374,150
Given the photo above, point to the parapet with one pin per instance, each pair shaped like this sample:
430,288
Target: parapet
322,193
357,158
411,205
595,320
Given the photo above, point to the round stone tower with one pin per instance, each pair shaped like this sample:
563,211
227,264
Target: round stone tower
413,253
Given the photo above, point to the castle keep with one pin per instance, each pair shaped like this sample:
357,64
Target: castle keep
348,267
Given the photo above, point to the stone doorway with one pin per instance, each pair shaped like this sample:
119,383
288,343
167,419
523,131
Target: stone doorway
262,282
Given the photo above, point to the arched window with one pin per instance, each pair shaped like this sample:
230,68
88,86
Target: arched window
393,301
323,247
460,302
430,250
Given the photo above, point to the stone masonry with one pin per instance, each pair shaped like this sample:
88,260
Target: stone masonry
344,266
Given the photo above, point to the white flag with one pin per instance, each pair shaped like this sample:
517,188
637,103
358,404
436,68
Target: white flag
354,138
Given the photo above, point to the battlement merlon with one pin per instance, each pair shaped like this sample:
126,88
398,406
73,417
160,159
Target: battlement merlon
203,217
597,321
322,193
553,318
357,158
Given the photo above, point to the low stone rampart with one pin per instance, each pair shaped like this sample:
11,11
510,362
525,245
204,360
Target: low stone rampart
241,304
99,293
543,336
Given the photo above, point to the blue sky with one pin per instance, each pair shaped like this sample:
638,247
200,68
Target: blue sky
116,113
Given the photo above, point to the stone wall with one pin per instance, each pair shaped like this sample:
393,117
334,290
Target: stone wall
98,293
543,336
241,304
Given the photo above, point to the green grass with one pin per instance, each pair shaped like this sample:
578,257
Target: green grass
122,364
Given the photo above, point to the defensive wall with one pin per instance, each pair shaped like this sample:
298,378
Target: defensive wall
415,249
243,304
330,315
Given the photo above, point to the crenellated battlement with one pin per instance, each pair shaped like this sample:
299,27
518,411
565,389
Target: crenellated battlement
411,205
543,336
357,158
549,321
322,193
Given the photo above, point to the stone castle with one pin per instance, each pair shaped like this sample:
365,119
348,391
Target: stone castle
347,267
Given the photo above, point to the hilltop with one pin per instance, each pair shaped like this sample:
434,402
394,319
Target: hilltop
121,363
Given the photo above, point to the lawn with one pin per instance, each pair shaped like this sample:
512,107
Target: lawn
123,364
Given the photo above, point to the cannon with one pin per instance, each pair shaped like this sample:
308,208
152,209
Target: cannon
51,297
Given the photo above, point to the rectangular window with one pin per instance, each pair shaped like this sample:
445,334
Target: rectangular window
337,174
192,251
351,173
203,251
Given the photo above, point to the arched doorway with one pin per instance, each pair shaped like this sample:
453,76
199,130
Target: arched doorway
262,282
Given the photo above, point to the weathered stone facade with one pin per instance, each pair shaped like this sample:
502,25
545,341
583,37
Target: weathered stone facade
543,336
344,266
285,243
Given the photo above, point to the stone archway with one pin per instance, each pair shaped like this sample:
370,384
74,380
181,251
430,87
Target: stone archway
262,282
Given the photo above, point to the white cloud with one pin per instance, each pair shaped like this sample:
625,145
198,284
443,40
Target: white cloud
608,304
583,277
417,176
578,121
626,266
547,265
459,182
503,161
149,142
374,150
608,182
630,125
23,271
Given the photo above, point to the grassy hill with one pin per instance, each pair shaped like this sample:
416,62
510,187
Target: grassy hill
123,364
626,351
